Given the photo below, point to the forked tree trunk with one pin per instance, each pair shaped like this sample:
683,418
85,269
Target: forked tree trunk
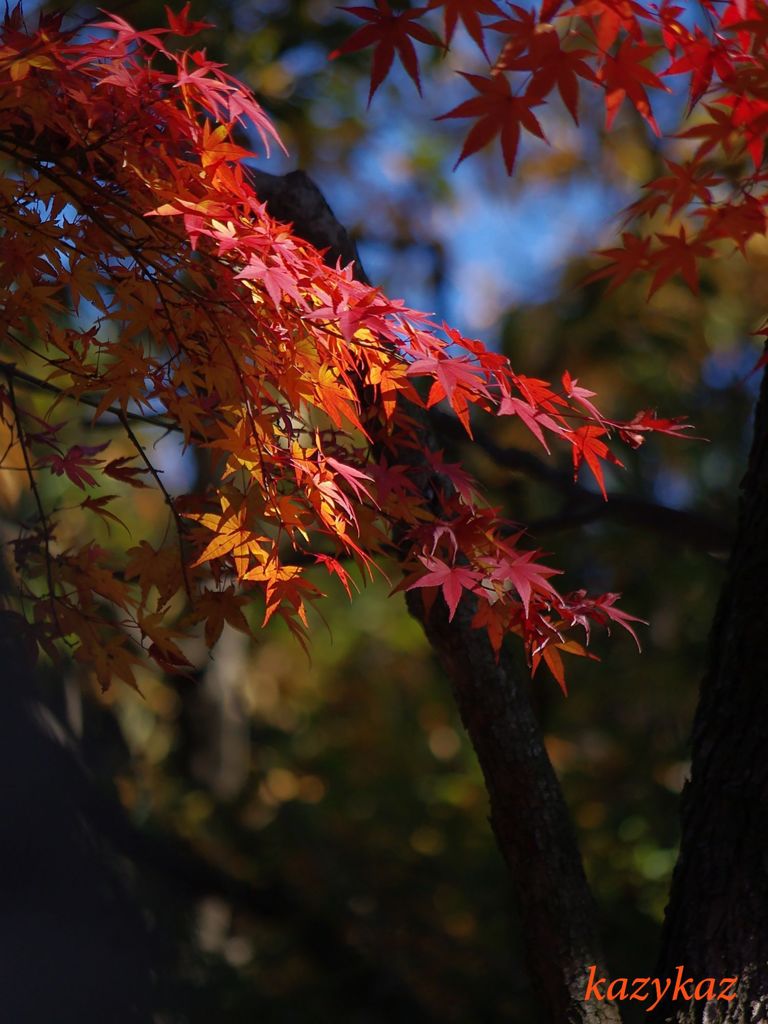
528,812
717,918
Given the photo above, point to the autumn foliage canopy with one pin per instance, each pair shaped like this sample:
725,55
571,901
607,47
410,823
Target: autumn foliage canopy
146,291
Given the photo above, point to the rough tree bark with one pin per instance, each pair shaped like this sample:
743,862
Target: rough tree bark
528,812
717,919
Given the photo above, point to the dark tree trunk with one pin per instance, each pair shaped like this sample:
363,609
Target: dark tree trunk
528,815
73,945
528,812
717,918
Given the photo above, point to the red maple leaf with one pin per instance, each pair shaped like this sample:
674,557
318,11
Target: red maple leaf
624,74
525,575
124,32
389,33
335,568
737,221
180,23
550,66
749,119
604,608
581,395
72,464
747,18
612,16
678,255
468,12
119,469
587,447
453,579
354,478
99,507
549,653
494,619
549,9
719,131
457,379
500,113
626,260
518,30
701,57
685,183
673,34
532,416
461,480
633,432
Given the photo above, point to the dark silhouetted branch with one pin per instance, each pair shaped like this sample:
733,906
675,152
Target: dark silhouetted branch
582,506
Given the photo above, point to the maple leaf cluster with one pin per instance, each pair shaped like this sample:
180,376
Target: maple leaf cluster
627,50
144,283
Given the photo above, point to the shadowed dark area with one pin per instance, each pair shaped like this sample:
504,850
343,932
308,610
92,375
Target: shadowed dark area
74,948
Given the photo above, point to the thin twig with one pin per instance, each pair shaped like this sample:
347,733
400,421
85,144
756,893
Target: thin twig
168,499
585,506
38,500
154,420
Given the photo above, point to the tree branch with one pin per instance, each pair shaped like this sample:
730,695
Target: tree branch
12,371
178,523
583,505
528,812
44,523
